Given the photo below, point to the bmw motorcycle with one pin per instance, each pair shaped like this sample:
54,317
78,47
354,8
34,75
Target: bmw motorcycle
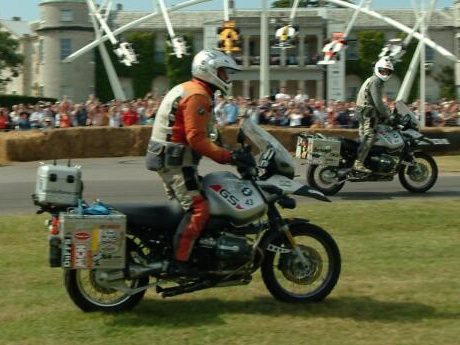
299,261
397,150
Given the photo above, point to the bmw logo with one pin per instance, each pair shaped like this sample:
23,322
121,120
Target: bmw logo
246,191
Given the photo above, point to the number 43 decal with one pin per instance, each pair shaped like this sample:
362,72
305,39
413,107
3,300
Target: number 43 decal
249,202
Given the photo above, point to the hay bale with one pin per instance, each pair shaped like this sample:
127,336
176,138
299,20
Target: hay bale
87,142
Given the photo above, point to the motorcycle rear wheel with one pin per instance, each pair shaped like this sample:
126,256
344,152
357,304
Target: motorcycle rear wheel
88,295
419,178
288,279
324,179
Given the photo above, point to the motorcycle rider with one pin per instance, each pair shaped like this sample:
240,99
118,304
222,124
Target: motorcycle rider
180,136
371,110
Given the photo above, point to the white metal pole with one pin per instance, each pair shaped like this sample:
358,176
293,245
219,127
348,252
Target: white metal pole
294,10
128,26
411,72
111,73
226,11
102,22
422,75
399,26
353,18
166,18
264,88
408,81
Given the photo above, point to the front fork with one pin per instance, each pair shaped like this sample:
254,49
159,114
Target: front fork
277,222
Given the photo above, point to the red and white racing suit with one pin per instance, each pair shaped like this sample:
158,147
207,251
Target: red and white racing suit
180,136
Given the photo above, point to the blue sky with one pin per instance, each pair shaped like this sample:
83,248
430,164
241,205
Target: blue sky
29,10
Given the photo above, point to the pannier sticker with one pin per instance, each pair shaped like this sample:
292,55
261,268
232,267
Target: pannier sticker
82,236
82,255
67,252
229,197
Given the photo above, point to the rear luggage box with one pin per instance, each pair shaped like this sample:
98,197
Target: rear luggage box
90,241
58,185
319,151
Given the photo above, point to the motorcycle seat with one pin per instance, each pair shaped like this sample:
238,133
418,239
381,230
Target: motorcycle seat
152,215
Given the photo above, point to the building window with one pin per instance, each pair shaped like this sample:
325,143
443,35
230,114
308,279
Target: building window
66,47
66,16
352,50
429,54
41,51
457,38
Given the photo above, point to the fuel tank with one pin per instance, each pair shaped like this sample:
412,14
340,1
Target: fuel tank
388,137
233,198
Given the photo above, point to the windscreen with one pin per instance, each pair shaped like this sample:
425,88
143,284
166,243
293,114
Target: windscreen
262,139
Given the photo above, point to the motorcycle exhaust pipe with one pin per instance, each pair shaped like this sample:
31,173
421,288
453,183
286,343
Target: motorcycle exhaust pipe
139,271
239,282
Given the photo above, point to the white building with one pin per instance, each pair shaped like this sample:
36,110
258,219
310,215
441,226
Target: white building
64,27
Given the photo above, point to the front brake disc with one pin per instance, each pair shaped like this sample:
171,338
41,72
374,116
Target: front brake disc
294,269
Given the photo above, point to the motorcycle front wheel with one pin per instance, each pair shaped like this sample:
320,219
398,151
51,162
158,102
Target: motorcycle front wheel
420,177
324,178
291,278
89,295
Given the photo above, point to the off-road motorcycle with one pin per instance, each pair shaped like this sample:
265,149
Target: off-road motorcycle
397,150
299,261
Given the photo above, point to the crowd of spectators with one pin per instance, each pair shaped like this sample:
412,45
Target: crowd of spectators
281,109
64,114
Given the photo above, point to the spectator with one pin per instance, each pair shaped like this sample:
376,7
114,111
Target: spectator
282,95
96,115
319,114
219,112
115,114
23,123
4,120
231,110
47,124
37,116
80,115
130,116
295,117
301,96
14,116
151,111
448,115
253,113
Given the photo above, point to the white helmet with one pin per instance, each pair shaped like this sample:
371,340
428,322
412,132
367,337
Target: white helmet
206,64
384,68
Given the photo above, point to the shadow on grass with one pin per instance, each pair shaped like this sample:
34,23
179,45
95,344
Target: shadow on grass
394,195
176,313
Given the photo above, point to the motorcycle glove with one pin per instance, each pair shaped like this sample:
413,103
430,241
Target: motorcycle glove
243,158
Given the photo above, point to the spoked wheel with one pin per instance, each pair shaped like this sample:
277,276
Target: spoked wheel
420,177
307,274
89,294
324,178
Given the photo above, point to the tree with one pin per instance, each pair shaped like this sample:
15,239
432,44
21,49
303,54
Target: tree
145,70
289,3
304,3
447,82
370,44
179,70
10,60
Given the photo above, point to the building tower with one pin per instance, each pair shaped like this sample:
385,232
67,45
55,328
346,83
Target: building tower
457,47
64,28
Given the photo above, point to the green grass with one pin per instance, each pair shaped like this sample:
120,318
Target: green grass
399,285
